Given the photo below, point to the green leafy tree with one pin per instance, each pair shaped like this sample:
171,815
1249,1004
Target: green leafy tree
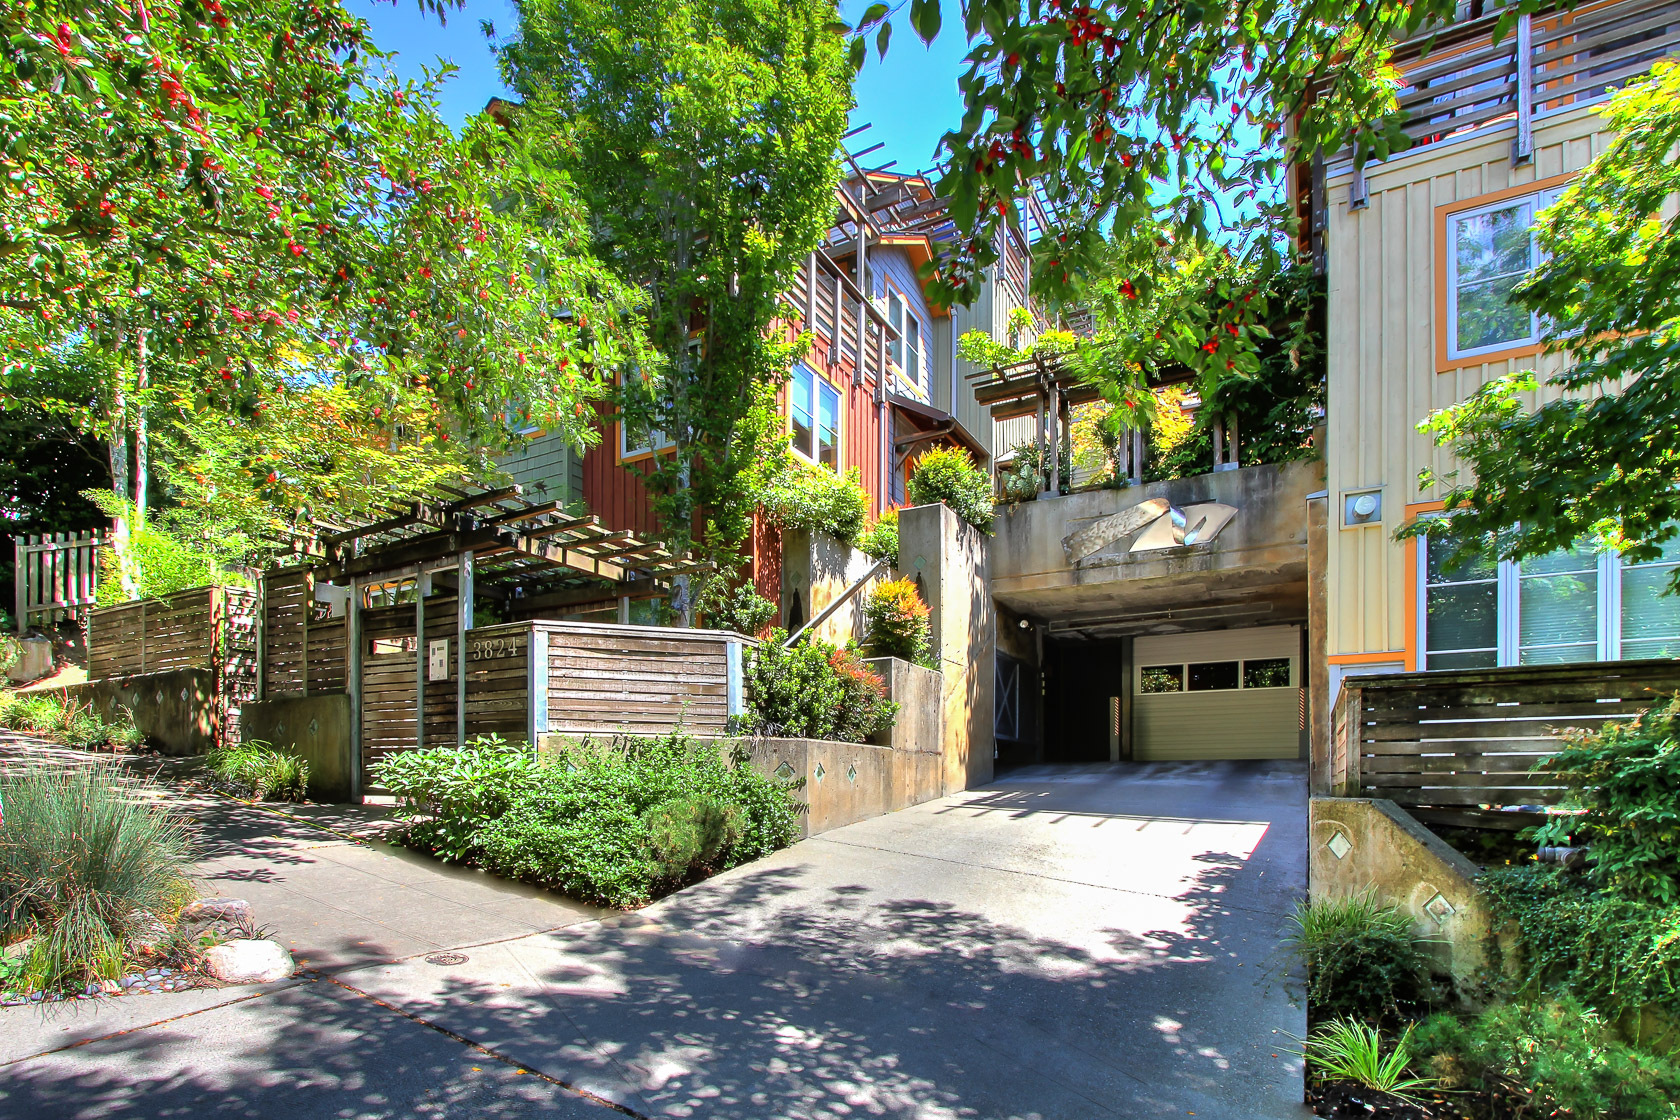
704,146
225,201
1598,462
1127,115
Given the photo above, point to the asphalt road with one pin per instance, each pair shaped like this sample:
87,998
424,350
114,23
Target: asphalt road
1069,942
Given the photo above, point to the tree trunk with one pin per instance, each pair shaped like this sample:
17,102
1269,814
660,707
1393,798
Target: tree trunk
121,544
142,445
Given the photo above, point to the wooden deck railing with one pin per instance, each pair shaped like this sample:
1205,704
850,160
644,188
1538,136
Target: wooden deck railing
1459,747
55,577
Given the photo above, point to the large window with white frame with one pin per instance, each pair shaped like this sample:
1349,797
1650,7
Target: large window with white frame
814,415
1572,605
907,347
1490,250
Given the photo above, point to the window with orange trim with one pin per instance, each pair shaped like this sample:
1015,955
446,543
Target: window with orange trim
1490,250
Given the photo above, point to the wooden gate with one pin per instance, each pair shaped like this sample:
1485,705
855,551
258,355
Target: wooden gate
55,577
405,670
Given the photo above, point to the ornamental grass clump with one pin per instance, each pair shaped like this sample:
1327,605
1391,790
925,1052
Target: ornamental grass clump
948,475
257,771
896,622
84,852
1351,1051
615,824
1362,958
57,715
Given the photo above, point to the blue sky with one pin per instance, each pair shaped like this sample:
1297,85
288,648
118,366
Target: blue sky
910,99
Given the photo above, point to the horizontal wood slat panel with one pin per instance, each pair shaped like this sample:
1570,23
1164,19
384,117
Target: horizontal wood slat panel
1462,740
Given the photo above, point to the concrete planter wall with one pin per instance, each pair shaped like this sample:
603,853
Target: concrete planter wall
817,569
176,710
1368,844
316,727
919,694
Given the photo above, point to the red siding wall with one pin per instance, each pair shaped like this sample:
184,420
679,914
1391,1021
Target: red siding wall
613,492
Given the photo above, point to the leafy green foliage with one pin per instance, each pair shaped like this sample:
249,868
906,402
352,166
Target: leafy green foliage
879,539
702,138
615,824
801,496
447,797
742,610
896,622
257,771
1362,958
814,691
1023,480
225,205
1595,462
1550,1058
176,550
1626,775
82,850
1615,954
1348,1050
1126,114
948,475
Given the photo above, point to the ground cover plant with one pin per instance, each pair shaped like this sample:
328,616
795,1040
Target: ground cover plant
1363,959
618,824
85,854
61,717
257,771
813,690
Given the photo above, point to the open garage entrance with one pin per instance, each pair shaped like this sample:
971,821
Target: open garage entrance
1212,694
1119,638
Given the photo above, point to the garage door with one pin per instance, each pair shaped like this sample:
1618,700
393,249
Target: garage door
1217,694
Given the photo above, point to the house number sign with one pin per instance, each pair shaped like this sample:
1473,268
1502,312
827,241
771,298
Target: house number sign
488,649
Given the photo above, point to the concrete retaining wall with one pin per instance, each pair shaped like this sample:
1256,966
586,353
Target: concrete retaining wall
1367,844
918,692
317,727
176,710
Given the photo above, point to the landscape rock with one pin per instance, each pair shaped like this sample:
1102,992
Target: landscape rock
248,962
19,949
235,911
147,935
110,987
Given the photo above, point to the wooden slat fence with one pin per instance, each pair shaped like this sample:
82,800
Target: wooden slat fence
643,680
208,628
1458,746
55,576
305,651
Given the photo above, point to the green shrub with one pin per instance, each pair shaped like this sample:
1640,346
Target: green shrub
1627,777
814,691
1362,959
1348,1050
257,771
802,496
448,796
1553,1058
949,475
10,648
1024,479
82,849
1616,954
615,824
879,541
742,610
896,622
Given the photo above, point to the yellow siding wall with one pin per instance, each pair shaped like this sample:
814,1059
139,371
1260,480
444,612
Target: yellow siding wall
1383,375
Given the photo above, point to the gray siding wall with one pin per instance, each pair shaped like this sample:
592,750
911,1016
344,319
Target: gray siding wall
548,469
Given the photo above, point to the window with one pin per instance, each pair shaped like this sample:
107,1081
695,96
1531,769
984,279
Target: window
814,412
634,440
1490,250
1573,605
907,347
1161,678
1216,676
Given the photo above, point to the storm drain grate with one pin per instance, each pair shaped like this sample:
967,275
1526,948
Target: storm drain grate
446,958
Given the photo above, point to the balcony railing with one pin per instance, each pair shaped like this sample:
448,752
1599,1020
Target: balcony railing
1457,79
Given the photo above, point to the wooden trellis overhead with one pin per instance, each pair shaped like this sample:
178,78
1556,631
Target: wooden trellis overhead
511,541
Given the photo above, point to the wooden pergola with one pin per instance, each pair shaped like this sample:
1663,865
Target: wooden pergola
382,608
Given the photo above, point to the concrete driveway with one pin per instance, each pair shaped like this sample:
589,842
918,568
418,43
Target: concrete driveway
1068,942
